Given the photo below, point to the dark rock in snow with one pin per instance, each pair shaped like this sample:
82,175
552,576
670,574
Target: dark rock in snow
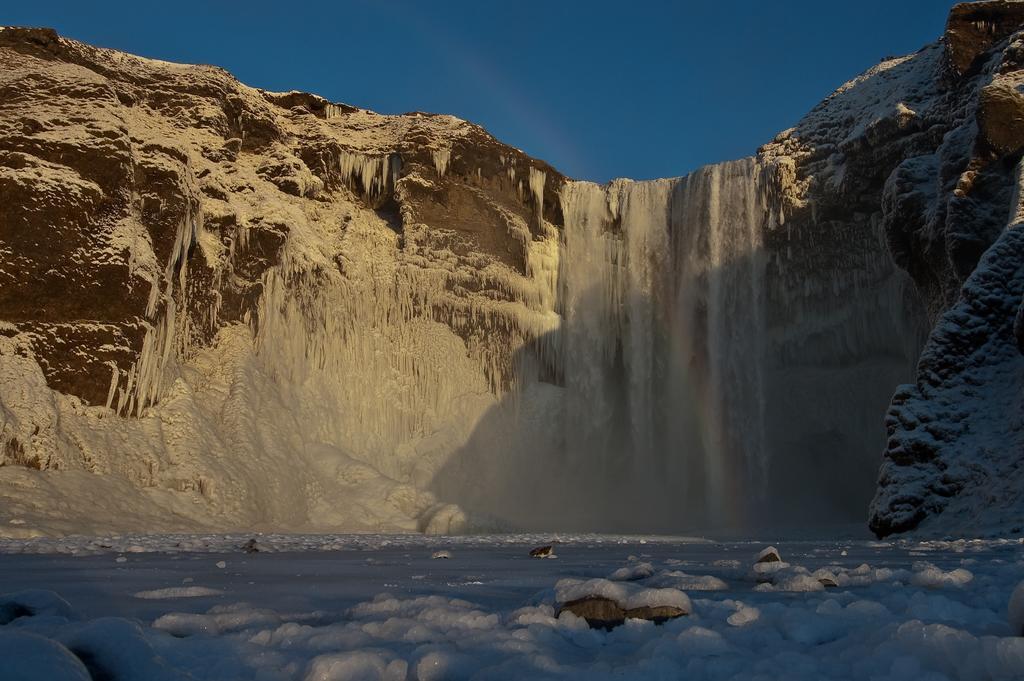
605,613
769,555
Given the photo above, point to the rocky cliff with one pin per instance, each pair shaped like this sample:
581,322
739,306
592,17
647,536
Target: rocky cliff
220,303
953,211
225,308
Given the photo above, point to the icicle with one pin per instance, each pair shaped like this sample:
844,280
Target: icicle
537,180
441,159
115,375
333,111
375,175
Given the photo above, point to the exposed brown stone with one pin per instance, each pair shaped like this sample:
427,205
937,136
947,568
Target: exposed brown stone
1001,116
604,613
973,28
158,152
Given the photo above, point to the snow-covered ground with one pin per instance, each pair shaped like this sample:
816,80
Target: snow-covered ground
380,607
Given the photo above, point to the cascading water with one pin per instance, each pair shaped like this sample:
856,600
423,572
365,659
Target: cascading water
704,367
662,300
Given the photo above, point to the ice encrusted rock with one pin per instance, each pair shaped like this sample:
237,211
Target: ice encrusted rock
606,604
955,437
951,463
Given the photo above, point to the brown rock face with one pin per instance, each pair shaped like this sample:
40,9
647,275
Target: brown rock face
973,28
179,250
1001,116
150,203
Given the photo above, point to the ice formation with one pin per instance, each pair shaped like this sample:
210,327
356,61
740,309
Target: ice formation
441,158
372,175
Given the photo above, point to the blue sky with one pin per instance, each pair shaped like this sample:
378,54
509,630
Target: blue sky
638,89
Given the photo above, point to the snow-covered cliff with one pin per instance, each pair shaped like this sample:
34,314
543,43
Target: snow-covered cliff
225,308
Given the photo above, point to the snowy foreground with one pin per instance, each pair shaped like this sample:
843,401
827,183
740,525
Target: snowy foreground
380,607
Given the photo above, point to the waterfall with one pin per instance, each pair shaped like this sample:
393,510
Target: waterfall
663,334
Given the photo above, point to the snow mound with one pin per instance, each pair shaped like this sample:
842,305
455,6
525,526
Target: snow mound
632,573
114,648
658,598
930,576
32,602
28,657
357,666
626,595
686,582
743,616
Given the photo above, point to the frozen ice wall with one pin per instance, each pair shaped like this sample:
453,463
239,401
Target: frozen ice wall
709,372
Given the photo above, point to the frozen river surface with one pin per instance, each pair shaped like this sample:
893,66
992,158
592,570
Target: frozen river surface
381,607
